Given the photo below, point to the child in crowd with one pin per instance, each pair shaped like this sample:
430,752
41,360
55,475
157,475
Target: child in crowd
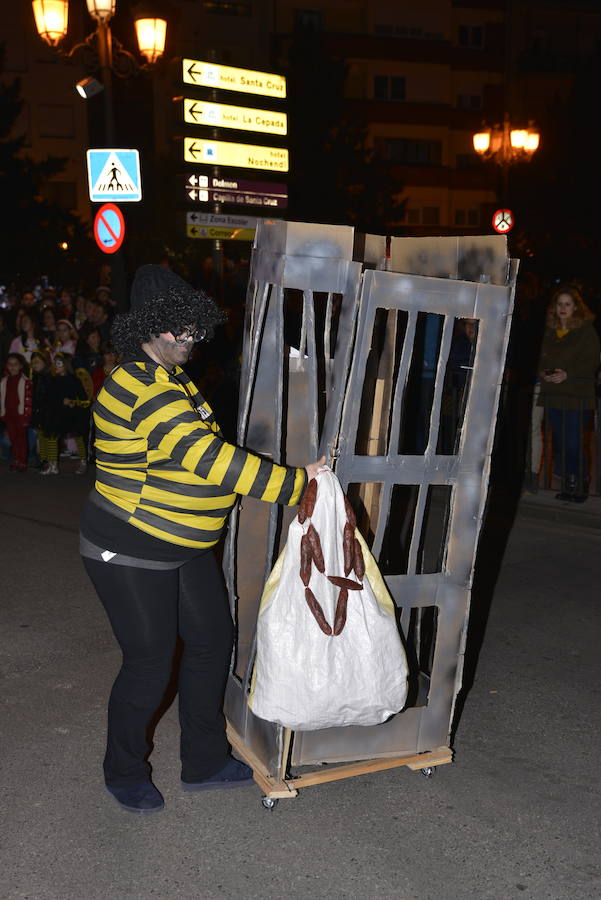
89,354
40,408
29,337
109,361
66,338
15,409
48,326
68,414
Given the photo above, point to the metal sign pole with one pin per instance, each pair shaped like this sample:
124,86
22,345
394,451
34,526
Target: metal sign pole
217,243
105,50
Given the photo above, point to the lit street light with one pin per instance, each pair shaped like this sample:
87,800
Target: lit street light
101,51
505,146
102,54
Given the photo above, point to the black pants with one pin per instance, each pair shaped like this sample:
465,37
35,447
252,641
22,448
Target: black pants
147,610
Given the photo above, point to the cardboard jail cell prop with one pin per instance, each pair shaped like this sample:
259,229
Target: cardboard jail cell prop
369,359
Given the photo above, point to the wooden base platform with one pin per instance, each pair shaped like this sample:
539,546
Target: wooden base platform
288,787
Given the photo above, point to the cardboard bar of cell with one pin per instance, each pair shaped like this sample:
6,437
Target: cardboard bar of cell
273,787
439,757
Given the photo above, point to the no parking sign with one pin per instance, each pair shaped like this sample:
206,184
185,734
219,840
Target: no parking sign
109,228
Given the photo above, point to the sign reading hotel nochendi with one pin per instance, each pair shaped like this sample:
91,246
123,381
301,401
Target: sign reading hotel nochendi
227,78
245,156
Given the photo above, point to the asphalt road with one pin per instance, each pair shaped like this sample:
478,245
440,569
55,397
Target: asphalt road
516,815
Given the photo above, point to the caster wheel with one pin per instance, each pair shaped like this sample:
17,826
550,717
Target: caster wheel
269,802
429,771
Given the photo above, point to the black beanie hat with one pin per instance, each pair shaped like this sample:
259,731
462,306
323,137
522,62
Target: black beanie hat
152,282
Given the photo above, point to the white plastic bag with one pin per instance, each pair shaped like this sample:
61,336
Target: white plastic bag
306,679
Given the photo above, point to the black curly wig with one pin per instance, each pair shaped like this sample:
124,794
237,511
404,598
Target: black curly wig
175,309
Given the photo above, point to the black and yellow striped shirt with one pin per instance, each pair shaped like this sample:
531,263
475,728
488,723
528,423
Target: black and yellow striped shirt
163,464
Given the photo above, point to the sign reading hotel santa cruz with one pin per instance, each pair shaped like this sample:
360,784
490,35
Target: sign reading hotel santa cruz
114,175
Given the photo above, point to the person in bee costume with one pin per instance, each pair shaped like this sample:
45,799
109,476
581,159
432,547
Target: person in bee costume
166,482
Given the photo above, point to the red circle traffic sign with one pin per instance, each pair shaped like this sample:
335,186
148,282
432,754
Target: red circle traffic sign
109,228
503,221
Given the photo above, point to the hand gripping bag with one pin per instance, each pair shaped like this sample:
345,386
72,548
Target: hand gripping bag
328,646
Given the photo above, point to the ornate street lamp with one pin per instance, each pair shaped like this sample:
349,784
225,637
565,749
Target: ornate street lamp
101,49
505,146
102,54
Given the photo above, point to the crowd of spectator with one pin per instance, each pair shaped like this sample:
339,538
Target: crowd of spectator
55,353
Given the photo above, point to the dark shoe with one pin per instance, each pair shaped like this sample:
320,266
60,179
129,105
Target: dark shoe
234,774
564,495
568,489
138,798
579,498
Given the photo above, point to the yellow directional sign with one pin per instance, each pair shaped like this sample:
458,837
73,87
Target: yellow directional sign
244,156
227,78
199,112
219,233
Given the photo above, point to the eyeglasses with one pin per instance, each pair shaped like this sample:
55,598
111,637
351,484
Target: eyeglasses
197,335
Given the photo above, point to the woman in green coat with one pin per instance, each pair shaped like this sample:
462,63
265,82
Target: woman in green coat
569,359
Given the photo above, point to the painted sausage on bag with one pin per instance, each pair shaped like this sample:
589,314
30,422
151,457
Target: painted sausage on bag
317,611
340,617
306,558
316,548
307,504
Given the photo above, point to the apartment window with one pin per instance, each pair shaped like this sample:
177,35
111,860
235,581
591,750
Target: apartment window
471,36
469,217
467,160
410,216
469,101
308,19
431,215
55,121
227,7
409,152
389,87
403,31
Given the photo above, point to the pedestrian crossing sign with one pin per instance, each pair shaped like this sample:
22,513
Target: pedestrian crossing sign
114,175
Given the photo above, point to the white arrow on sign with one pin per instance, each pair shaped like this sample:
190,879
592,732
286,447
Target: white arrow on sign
201,196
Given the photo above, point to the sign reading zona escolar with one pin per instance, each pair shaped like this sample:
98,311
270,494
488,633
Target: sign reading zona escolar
199,112
244,156
195,71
